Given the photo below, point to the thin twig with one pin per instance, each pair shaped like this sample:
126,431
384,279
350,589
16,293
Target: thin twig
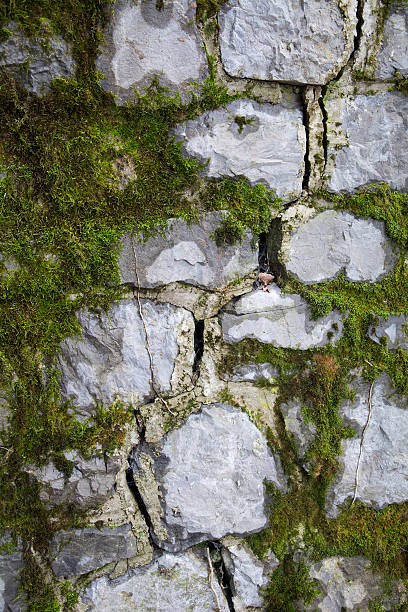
211,578
147,345
369,401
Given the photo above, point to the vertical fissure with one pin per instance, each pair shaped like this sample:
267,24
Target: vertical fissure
306,174
198,343
223,576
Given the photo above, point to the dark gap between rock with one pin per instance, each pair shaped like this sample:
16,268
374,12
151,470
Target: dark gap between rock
306,175
221,572
198,343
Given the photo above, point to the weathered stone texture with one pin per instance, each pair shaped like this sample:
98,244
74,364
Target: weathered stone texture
333,241
142,41
211,473
371,143
187,253
383,471
393,56
264,142
110,362
393,330
172,583
302,431
294,42
279,319
253,372
11,563
31,65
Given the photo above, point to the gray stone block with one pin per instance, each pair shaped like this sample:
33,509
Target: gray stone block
142,40
393,55
187,253
294,42
264,142
11,563
252,372
302,431
394,330
279,319
334,241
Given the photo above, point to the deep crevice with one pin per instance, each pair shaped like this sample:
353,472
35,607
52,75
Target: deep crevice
140,503
223,576
198,343
325,119
270,243
306,174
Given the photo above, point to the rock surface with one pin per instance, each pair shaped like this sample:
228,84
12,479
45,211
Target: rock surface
393,56
279,319
171,583
253,372
333,241
79,551
374,142
91,482
382,466
348,583
211,473
394,330
302,431
293,42
264,142
142,40
111,362
187,253
31,65
11,564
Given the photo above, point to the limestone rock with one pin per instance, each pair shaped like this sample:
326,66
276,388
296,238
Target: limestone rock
333,241
264,142
91,482
279,319
211,473
371,143
382,473
187,253
11,563
394,330
393,56
252,372
170,583
110,362
142,40
302,431
79,551
348,583
31,65
294,42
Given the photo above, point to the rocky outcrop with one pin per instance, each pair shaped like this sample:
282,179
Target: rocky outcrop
264,142
11,563
393,55
292,42
374,462
211,474
187,253
143,39
279,319
110,362
333,241
392,331
367,140
30,64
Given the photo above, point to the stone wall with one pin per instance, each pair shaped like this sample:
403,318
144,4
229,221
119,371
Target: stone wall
262,463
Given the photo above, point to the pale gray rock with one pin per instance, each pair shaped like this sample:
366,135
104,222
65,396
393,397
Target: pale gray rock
90,484
333,241
142,41
110,362
279,319
211,473
11,563
302,431
294,42
383,464
80,551
393,56
348,583
394,330
171,583
264,142
375,145
252,372
32,65
187,253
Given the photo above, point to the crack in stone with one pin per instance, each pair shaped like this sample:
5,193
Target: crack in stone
369,401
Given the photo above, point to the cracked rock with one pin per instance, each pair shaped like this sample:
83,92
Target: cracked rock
394,330
110,362
11,563
334,241
294,42
187,253
211,473
32,65
368,140
383,472
279,319
79,551
142,40
393,55
171,583
264,142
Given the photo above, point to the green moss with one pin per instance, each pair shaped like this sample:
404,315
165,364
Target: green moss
289,583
